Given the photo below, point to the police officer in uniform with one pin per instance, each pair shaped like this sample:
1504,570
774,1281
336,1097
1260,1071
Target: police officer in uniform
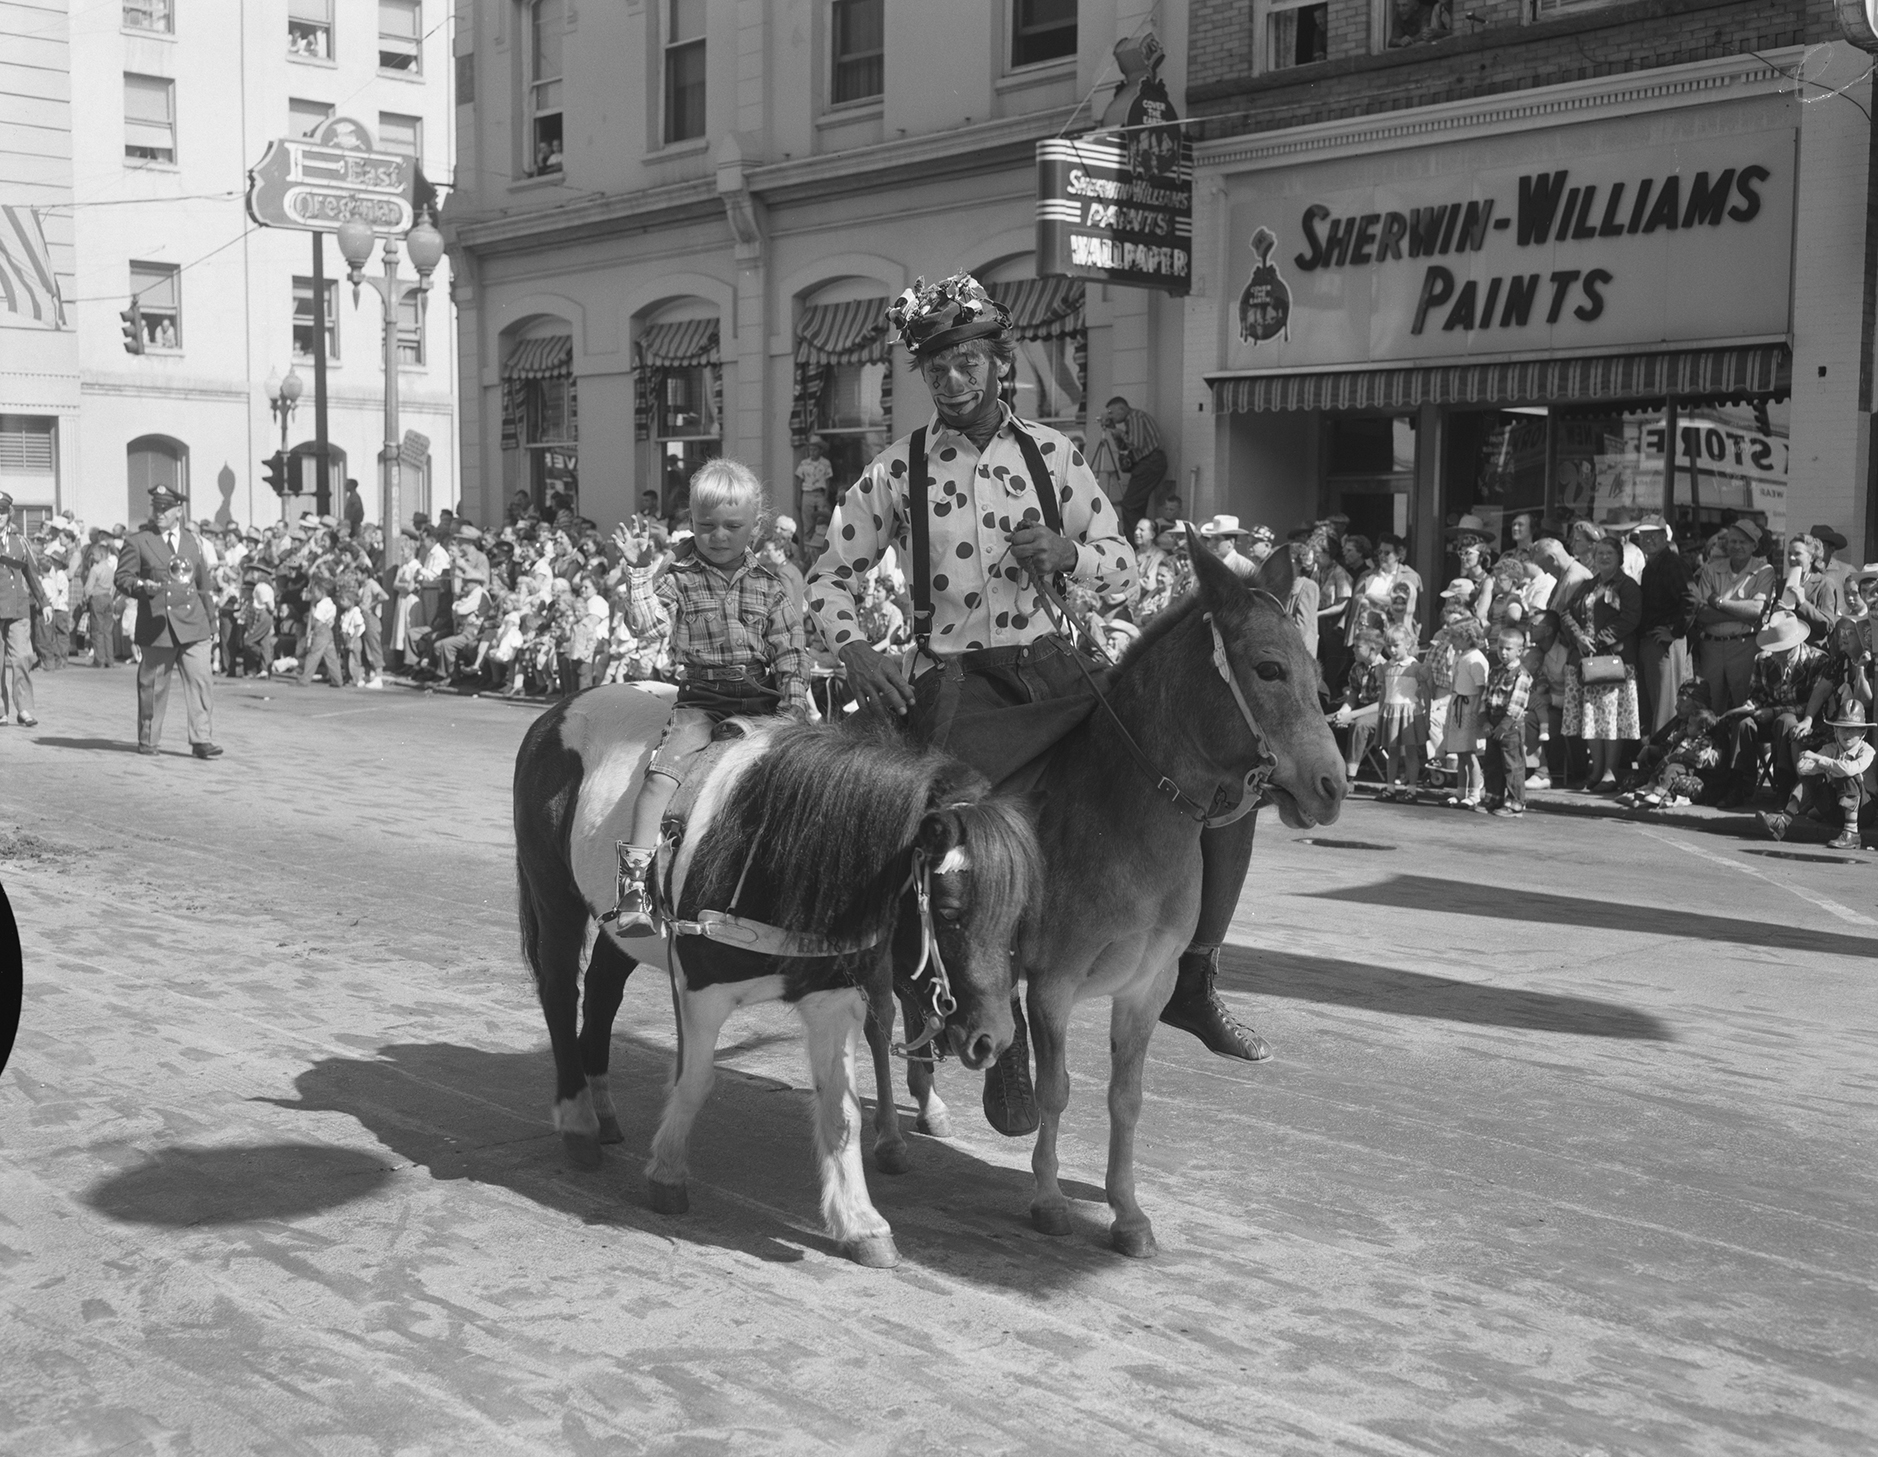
165,569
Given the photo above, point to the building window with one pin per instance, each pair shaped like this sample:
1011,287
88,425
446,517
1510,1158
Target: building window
26,445
547,26
303,318
410,331
306,117
401,134
157,15
400,36
1411,22
157,289
684,71
1296,32
859,47
310,29
149,119
1042,30
1552,9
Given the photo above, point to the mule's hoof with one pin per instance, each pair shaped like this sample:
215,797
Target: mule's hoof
583,1150
1050,1219
667,1198
610,1130
935,1125
875,1251
1137,1244
893,1159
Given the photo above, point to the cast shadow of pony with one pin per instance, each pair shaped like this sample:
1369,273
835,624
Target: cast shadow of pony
466,1113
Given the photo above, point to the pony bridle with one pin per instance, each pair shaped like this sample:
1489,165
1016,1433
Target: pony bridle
1260,778
940,1004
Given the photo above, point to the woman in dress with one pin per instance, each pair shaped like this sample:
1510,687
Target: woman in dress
1601,622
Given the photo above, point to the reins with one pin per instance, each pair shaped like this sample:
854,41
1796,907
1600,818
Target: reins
1220,811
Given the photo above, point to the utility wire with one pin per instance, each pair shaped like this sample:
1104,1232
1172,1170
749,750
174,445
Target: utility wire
106,298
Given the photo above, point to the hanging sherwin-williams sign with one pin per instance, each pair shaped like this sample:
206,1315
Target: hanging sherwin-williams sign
1117,205
1569,240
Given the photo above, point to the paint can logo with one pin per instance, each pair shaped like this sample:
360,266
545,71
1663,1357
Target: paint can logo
1265,306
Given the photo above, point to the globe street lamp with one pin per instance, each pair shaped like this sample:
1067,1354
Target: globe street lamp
282,396
425,244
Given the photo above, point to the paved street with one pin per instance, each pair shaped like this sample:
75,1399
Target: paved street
1567,1148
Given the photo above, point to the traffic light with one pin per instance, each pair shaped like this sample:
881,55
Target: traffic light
133,327
274,470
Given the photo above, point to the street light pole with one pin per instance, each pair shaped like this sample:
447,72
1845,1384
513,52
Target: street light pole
425,245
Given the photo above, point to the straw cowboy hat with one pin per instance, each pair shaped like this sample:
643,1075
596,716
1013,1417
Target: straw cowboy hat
1851,716
1653,522
1783,631
1223,525
1470,525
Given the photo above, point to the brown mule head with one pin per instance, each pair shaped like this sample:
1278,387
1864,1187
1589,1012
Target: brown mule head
1279,678
985,871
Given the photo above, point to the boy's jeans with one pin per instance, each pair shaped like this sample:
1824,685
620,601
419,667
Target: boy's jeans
1505,761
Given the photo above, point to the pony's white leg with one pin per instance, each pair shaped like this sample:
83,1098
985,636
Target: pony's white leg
890,1155
935,1119
1132,1020
1049,1033
579,1114
701,1016
608,1116
832,1020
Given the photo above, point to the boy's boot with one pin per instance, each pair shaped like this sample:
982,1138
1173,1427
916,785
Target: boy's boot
632,915
1010,1100
1195,1007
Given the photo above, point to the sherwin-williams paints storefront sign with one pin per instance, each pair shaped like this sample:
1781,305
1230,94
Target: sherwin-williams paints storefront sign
1574,240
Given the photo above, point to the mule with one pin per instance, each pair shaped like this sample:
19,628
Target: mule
851,844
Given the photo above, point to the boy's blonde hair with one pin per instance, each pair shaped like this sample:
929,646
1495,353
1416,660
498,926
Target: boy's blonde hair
721,481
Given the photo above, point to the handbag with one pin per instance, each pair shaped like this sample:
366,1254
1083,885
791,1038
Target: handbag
1602,668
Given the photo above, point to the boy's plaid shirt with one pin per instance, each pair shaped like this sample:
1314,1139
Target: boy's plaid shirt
1507,692
713,618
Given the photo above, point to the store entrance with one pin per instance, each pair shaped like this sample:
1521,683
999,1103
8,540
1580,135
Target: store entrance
1369,472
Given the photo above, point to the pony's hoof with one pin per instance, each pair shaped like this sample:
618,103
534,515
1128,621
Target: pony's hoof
610,1130
875,1251
893,1160
1137,1244
583,1150
1052,1219
668,1198
934,1125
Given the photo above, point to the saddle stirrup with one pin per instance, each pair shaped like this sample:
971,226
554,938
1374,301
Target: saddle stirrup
633,908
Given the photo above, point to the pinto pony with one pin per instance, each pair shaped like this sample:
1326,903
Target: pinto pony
841,842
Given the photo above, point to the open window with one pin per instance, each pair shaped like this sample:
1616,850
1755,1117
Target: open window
310,29
546,31
400,36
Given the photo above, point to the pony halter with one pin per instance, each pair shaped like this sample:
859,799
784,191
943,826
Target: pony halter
940,1003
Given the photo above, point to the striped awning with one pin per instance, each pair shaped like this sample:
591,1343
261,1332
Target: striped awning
682,344
1042,308
549,358
1693,374
852,333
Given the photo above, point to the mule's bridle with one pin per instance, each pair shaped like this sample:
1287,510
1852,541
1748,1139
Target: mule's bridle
1221,809
940,1003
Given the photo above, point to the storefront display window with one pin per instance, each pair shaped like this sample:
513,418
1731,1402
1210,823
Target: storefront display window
1370,471
678,403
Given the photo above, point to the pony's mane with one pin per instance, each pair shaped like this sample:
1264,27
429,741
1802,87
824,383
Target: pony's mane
1164,622
1007,864
832,811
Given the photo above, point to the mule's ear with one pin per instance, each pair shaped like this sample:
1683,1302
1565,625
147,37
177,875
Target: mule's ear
1276,574
1218,586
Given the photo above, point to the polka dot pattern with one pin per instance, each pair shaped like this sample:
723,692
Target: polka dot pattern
983,597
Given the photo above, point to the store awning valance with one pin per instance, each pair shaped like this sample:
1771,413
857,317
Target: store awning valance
682,344
549,358
1042,308
1692,374
852,333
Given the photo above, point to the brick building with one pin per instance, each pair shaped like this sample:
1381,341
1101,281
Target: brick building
1494,258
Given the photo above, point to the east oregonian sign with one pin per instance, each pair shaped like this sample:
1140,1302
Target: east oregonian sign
1117,205
1678,243
316,183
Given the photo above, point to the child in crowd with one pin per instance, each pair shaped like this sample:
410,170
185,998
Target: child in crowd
1399,730
1840,769
1361,697
320,651
1680,762
351,634
738,635
1463,738
1503,722
505,653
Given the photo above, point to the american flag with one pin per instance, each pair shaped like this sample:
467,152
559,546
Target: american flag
27,286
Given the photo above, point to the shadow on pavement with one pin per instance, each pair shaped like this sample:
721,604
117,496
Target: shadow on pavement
1501,903
109,746
466,1113
182,1187
1419,994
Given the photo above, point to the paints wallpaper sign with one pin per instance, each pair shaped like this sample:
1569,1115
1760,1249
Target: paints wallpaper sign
1431,258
